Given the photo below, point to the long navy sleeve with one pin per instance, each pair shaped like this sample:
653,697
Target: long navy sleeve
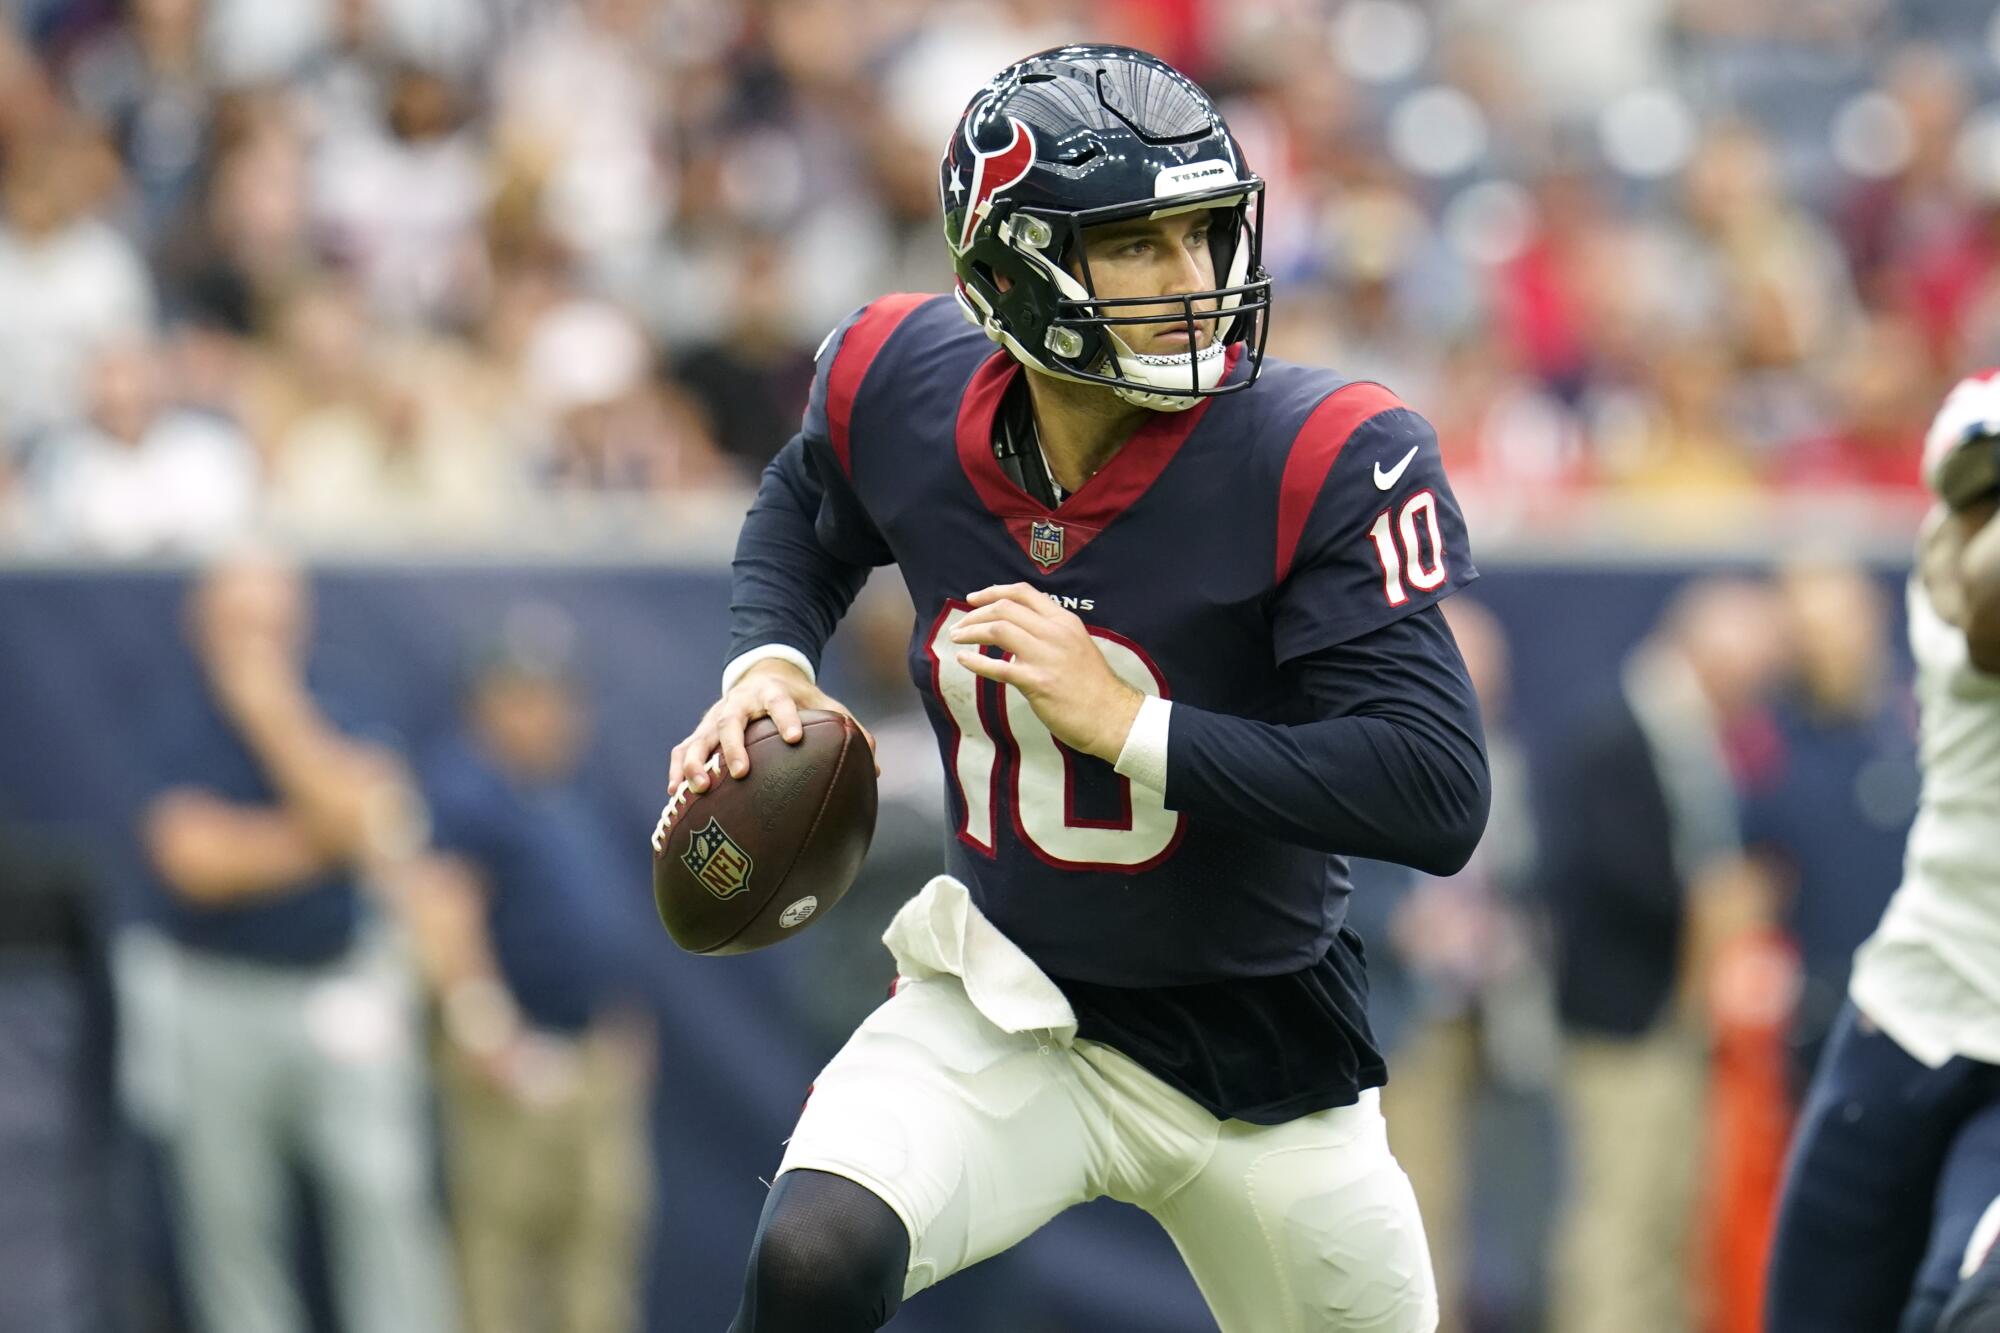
1393,766
1389,762
804,551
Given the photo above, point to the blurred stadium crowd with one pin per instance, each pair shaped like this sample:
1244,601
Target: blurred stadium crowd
369,269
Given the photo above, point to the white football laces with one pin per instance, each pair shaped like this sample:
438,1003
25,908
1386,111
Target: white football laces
675,802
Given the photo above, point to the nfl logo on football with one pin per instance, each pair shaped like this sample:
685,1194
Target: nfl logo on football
714,858
1045,543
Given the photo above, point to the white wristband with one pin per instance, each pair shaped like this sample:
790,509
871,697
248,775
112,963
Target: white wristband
742,663
1144,758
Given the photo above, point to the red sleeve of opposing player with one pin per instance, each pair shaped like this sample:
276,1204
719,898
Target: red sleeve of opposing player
1320,440
856,353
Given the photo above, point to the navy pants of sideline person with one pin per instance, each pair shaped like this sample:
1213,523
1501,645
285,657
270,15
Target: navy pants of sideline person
1893,1164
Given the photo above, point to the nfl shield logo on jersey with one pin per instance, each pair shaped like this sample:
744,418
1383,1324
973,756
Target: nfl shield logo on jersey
1045,543
714,858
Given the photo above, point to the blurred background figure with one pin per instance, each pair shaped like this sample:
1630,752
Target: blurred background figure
545,1064
1642,864
69,281
269,1026
1830,804
587,368
1474,1064
140,475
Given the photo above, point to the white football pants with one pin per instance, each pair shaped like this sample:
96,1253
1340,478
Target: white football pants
967,1103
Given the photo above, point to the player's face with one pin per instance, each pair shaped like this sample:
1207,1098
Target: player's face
1155,257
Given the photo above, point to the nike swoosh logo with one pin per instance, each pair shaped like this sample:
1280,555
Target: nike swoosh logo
1384,480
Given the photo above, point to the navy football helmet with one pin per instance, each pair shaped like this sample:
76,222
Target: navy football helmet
1079,136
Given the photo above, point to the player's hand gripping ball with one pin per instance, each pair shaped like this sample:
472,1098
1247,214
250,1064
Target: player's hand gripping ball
754,860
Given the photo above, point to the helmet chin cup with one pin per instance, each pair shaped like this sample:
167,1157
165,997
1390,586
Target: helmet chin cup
1156,402
1167,383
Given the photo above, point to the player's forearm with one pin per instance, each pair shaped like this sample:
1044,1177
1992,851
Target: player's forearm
786,587
1397,789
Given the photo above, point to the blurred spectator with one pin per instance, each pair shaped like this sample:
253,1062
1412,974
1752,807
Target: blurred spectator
231,257
1772,269
577,103
268,1026
1872,439
400,202
544,1068
54,1135
1833,803
148,82
416,435
751,377
1576,55
139,476
1758,283
1641,862
1547,287
1399,294
588,369
318,410
1484,1023
249,42
1679,441
1890,219
1947,280
68,281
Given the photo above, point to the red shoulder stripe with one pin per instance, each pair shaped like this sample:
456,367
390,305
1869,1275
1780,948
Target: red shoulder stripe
857,352
1319,442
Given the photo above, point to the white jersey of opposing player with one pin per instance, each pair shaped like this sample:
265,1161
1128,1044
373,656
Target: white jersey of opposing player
1930,974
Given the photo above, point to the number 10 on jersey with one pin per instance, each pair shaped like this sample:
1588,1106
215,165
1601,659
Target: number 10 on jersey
1041,777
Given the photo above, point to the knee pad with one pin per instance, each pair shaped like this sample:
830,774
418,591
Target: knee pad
830,1257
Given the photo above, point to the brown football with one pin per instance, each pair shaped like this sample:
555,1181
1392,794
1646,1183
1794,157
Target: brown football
754,860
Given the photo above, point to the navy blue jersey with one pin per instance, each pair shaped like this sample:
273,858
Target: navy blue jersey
547,868
1218,557
302,925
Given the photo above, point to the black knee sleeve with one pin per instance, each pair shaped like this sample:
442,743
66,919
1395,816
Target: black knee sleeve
829,1257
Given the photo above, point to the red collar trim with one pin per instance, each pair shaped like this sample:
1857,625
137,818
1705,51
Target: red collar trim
1087,512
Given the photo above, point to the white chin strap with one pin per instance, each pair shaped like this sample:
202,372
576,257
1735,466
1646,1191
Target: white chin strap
1151,381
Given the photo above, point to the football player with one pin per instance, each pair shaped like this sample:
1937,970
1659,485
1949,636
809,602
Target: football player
1177,632
1898,1149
